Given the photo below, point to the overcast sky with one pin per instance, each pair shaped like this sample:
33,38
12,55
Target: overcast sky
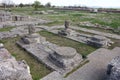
92,3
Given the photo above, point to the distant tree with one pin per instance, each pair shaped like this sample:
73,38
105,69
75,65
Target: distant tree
29,5
7,3
21,5
48,4
36,5
53,6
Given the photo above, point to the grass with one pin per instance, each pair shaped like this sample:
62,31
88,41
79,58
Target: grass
38,70
111,20
97,29
80,47
6,29
106,19
53,23
85,32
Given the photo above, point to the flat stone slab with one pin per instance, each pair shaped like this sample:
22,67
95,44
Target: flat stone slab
115,36
97,32
53,76
94,70
41,53
66,51
97,67
77,37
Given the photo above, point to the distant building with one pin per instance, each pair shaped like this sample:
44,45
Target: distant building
93,10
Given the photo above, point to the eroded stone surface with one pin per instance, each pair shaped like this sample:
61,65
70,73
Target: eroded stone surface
99,41
32,37
10,69
65,52
65,57
113,70
51,54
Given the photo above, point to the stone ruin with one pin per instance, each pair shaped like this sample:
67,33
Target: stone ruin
32,37
89,24
8,16
5,16
117,30
113,69
19,18
65,57
93,40
61,59
10,69
66,31
99,41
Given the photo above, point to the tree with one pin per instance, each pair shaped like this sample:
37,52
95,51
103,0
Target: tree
7,3
36,5
21,5
48,4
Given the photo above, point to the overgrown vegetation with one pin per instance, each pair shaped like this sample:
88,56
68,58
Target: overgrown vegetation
53,23
106,19
6,29
61,41
37,69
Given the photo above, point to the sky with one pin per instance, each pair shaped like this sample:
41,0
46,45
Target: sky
90,3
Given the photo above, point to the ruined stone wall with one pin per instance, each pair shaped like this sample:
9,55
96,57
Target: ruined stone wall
113,71
5,16
10,69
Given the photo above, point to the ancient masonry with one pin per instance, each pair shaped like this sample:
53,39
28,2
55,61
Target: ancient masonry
113,71
7,16
8,19
93,40
10,69
60,59
96,69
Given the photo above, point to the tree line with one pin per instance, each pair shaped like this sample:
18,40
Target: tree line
37,4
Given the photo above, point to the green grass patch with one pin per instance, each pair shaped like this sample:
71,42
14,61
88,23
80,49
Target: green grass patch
61,41
6,29
85,32
81,64
76,14
97,29
37,69
107,19
53,23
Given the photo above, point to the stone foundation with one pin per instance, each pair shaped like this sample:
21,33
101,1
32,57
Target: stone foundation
10,69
